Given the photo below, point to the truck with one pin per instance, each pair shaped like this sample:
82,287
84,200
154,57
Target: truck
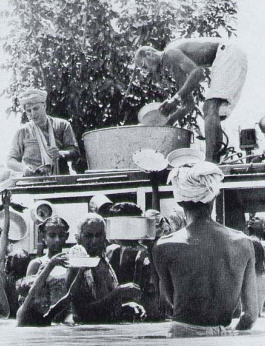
242,195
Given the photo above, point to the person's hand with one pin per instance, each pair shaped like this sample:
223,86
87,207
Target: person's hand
63,153
28,171
60,259
6,196
132,311
43,170
129,291
53,152
169,106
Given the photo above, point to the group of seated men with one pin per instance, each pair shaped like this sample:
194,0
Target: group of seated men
197,276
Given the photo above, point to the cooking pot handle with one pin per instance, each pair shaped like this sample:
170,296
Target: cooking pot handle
192,138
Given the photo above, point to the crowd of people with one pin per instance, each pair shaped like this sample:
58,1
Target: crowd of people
122,287
196,272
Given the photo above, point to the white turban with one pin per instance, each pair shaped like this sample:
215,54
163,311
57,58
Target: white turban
32,96
197,183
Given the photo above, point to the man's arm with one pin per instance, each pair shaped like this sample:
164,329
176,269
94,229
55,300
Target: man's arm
182,66
249,295
106,305
4,305
33,267
4,234
24,311
70,150
161,266
195,77
181,112
15,155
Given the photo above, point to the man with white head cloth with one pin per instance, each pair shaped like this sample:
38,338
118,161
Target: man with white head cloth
205,268
44,141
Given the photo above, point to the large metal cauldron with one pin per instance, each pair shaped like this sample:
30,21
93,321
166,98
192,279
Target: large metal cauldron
113,147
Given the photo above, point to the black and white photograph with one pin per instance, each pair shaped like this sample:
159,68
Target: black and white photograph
132,172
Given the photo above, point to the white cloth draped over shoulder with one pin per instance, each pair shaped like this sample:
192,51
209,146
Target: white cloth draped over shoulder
196,183
45,157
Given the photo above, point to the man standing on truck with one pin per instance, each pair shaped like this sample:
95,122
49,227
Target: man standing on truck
205,268
185,61
44,144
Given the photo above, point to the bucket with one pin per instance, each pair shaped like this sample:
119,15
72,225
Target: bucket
130,228
113,147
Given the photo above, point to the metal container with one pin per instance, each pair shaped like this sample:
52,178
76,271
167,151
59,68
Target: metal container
113,148
149,114
130,228
18,228
83,261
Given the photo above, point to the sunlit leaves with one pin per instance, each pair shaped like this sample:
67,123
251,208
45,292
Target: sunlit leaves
82,52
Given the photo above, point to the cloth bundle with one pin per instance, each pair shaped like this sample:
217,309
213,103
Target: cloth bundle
43,145
197,183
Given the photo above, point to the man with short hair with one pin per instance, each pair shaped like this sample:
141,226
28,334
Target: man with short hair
184,61
98,297
205,268
44,144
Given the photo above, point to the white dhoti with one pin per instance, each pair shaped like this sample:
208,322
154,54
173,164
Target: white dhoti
228,75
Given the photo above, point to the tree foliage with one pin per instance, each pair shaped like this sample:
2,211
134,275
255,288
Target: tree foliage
82,52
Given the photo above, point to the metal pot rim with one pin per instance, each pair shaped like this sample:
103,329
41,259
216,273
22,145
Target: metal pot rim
131,126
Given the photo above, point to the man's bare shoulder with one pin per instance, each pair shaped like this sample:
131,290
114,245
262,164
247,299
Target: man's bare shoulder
232,233
166,246
236,238
179,43
174,54
180,237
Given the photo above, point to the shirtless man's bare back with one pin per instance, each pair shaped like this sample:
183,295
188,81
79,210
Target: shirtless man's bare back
205,268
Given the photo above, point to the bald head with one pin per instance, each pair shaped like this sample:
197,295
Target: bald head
91,234
91,220
147,57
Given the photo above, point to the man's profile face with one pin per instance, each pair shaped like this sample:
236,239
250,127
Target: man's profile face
92,238
37,113
149,63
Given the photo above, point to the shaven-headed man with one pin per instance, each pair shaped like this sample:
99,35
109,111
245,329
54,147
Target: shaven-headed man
205,268
185,61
